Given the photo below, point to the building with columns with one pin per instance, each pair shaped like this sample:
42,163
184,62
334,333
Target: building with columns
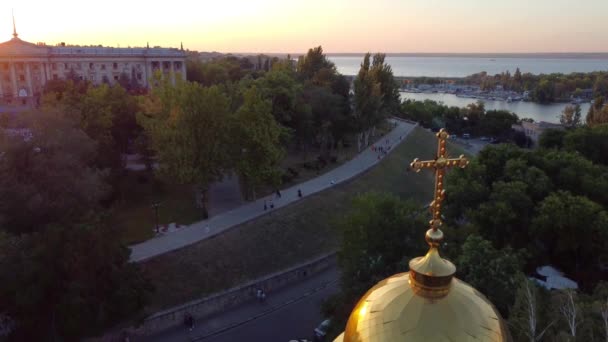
26,67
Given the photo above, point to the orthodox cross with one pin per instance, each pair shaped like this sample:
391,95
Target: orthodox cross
440,164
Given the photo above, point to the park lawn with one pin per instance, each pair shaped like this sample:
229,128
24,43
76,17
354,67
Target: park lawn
133,211
342,153
135,215
290,235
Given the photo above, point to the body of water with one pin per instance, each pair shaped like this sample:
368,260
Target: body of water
464,66
538,112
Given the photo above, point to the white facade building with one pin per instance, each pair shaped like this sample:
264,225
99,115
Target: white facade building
25,67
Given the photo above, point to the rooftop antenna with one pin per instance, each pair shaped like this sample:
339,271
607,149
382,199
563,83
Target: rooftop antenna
14,27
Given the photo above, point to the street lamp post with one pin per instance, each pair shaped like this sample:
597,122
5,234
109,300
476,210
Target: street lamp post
155,205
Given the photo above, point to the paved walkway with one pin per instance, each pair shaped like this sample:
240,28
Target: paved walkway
295,307
226,220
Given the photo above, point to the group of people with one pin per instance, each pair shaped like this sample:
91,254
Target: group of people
269,204
382,149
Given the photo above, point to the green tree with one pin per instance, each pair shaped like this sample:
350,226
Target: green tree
591,142
552,138
258,143
600,308
492,272
313,63
380,236
382,73
544,92
47,174
571,116
571,229
598,113
68,282
327,115
280,87
529,316
105,113
367,102
497,123
187,126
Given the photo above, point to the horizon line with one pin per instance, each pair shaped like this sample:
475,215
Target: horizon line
423,53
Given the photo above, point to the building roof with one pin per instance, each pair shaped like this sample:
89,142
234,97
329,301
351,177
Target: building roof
19,47
554,279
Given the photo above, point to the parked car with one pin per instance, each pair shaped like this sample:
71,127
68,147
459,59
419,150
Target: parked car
466,136
484,139
321,330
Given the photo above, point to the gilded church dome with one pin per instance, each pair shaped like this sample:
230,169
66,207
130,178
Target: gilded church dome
399,309
427,303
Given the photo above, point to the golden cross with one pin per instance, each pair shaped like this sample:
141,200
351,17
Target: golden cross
440,164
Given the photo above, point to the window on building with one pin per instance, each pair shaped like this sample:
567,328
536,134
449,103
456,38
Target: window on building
66,66
115,78
103,67
139,76
54,66
55,77
81,78
21,77
91,66
115,66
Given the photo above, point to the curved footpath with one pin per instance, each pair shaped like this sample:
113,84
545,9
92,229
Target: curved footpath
217,224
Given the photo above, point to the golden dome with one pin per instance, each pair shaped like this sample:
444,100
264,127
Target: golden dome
427,303
393,311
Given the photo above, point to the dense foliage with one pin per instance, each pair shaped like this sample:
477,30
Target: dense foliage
473,119
543,88
510,211
549,202
63,272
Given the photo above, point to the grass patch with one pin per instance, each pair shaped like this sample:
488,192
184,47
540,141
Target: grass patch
134,212
139,189
289,235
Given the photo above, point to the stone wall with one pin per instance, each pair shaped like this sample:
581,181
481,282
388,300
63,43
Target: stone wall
226,300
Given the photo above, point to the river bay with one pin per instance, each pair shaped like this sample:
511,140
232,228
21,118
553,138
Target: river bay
538,112
458,66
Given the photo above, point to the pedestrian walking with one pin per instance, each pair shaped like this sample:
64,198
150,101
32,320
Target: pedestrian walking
278,193
265,206
189,321
299,193
271,205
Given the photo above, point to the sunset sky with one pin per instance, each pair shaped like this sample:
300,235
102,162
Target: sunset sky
337,25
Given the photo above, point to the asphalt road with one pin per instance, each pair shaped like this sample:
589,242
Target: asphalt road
292,312
292,322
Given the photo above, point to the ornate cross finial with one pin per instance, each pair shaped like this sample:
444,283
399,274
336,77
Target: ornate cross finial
441,162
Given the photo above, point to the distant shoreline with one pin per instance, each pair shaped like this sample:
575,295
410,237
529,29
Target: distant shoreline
549,55
565,55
